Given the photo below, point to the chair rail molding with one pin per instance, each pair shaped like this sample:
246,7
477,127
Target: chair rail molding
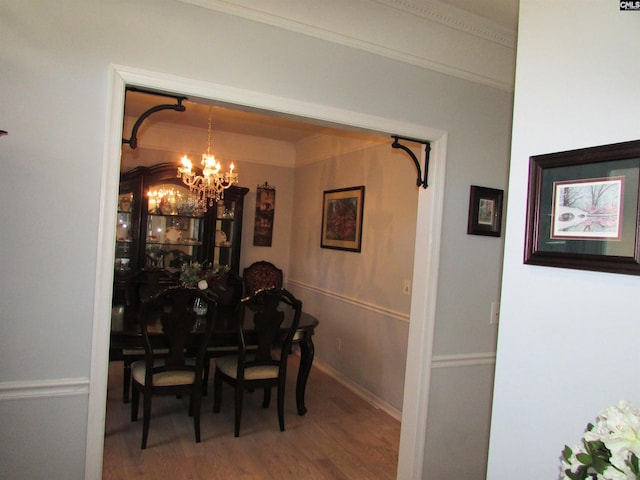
403,317
28,389
463,360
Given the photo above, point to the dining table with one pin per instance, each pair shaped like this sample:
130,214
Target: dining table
126,342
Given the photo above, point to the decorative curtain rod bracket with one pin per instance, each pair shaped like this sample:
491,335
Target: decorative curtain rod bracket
427,146
178,107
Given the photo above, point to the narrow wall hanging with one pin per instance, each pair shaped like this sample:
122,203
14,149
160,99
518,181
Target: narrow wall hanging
265,210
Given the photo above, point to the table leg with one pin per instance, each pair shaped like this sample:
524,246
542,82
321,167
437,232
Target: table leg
126,380
307,351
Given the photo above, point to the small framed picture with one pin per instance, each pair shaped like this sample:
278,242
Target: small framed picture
583,209
485,211
342,211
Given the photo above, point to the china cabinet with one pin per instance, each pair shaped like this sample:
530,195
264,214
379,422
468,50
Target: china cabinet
160,225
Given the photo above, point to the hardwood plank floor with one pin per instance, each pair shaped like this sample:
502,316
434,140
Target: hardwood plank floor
340,437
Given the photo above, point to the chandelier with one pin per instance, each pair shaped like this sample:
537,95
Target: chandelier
210,186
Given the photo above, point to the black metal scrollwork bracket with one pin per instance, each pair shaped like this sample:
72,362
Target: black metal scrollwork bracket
178,107
427,146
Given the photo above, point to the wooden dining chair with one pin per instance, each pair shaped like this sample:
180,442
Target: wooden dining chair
261,360
169,317
261,275
142,284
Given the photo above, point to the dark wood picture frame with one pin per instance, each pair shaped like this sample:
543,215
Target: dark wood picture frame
265,213
583,209
342,212
485,211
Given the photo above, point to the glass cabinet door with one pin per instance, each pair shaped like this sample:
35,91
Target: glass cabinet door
174,227
225,232
125,234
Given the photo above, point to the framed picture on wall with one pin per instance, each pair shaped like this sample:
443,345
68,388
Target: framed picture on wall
265,212
485,211
583,209
342,219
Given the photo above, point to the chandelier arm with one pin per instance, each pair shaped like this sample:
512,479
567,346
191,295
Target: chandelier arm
420,182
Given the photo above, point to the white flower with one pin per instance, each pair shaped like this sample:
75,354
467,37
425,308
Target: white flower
203,285
617,431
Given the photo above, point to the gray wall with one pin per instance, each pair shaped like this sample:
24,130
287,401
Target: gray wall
55,77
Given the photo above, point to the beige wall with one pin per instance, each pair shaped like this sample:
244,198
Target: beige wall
358,296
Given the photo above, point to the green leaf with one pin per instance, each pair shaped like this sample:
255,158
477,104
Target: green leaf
584,458
579,474
599,465
634,465
566,453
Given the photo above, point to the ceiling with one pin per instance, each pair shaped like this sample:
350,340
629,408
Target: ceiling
230,119
234,119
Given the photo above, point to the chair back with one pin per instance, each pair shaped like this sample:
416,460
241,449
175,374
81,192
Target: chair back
268,322
145,283
261,275
170,313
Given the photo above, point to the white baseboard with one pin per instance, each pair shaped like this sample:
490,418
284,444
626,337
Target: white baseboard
363,393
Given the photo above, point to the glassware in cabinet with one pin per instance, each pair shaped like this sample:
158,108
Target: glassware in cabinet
175,228
224,245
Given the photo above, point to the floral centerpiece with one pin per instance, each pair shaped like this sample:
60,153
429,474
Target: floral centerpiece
208,278
609,449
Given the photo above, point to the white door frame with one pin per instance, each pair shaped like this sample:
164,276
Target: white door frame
427,249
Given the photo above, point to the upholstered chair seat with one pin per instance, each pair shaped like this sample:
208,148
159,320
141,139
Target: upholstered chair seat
166,378
229,366
168,317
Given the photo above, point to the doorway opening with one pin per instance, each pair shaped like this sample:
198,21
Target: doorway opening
425,260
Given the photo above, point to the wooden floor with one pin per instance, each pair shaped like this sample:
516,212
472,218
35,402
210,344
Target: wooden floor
340,437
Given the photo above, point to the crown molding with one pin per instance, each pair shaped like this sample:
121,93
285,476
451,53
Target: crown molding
431,35
456,18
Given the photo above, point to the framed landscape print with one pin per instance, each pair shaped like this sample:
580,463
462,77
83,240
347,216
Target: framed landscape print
583,209
342,219
485,211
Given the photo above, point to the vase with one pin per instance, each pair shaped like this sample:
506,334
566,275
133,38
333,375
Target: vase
200,307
